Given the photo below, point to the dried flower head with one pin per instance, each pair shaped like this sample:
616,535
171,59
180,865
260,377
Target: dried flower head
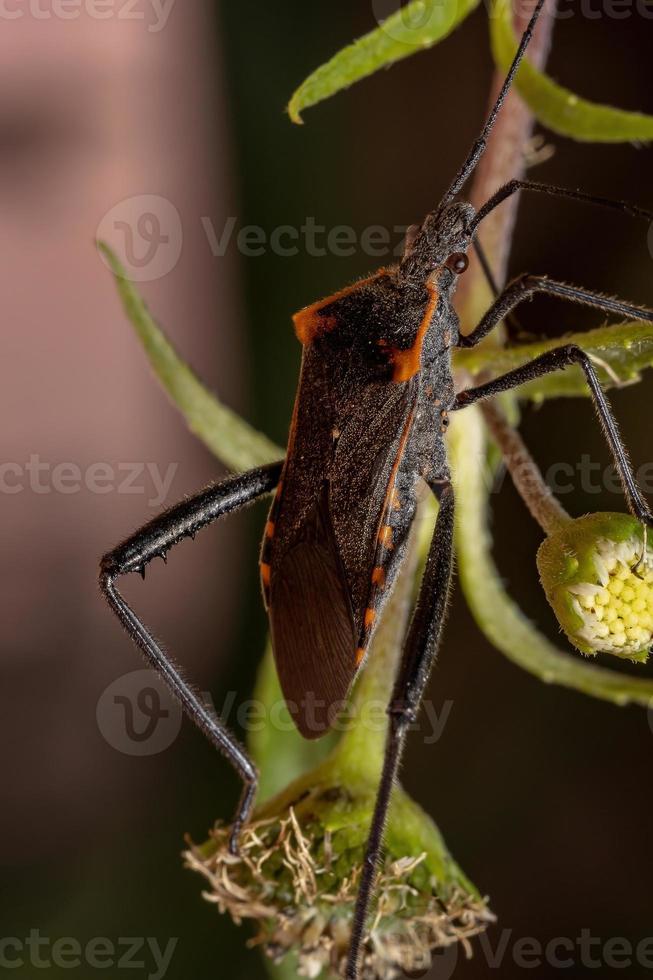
297,874
597,573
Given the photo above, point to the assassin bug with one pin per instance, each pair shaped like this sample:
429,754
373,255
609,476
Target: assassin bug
370,419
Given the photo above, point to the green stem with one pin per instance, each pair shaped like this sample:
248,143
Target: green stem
360,750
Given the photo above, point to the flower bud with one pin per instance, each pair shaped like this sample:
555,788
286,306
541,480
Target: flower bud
597,574
297,875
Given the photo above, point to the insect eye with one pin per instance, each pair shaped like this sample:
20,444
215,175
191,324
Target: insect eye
457,262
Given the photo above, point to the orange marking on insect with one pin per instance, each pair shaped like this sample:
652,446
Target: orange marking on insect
265,574
370,616
360,656
407,362
269,529
308,322
309,325
392,497
378,577
385,536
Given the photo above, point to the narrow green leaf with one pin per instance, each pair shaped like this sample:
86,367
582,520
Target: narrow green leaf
497,615
626,348
412,28
556,107
230,438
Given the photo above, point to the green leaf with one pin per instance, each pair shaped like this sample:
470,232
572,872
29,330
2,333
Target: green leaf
415,27
497,615
232,440
626,348
556,107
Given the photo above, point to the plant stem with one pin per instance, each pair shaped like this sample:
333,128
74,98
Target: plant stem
500,618
504,158
495,612
360,750
526,474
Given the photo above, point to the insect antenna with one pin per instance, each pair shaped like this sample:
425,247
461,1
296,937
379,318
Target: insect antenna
552,190
514,327
478,148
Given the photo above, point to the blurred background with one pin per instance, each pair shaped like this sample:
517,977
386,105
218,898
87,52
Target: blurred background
164,123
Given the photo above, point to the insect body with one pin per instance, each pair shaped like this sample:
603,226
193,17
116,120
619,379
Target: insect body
369,422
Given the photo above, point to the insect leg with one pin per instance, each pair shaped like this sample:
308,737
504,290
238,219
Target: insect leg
524,287
420,650
555,360
154,541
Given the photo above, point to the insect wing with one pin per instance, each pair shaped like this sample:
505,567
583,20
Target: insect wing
326,524
313,625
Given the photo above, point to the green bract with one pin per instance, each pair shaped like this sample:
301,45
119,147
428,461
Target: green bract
296,879
598,577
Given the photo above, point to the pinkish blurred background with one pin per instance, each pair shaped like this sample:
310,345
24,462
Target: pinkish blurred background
156,124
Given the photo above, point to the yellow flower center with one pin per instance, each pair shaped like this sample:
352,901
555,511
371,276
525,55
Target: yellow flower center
617,611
